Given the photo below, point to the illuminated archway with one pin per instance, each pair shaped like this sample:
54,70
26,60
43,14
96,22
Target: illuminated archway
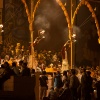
91,10
36,6
27,11
66,15
83,2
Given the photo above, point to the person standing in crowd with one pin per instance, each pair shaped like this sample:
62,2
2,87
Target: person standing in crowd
68,74
86,85
34,78
65,78
8,71
43,85
20,65
89,85
52,94
80,72
79,75
65,93
74,84
97,85
58,80
54,79
2,74
5,73
15,69
33,73
26,70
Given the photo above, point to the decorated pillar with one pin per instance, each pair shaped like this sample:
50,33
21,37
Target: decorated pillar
1,26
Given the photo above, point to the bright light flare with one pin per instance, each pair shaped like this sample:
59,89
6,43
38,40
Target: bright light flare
43,37
74,35
2,31
42,32
1,25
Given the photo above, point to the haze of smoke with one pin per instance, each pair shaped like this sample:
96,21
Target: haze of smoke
76,30
42,22
47,13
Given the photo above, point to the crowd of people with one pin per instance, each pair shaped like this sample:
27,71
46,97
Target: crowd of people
75,84
44,58
83,84
7,70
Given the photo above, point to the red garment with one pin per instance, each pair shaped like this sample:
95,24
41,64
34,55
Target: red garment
63,52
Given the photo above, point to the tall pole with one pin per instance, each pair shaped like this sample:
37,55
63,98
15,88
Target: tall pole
31,32
71,44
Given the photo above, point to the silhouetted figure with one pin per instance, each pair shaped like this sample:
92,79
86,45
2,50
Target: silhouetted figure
65,93
98,90
86,86
15,69
74,84
52,94
2,71
34,78
43,85
6,73
58,80
20,65
54,79
26,70
65,78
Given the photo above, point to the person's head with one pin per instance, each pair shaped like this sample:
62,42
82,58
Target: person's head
81,70
20,62
54,73
24,65
2,65
33,71
13,63
84,69
58,72
73,71
88,73
6,64
68,73
65,73
44,72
